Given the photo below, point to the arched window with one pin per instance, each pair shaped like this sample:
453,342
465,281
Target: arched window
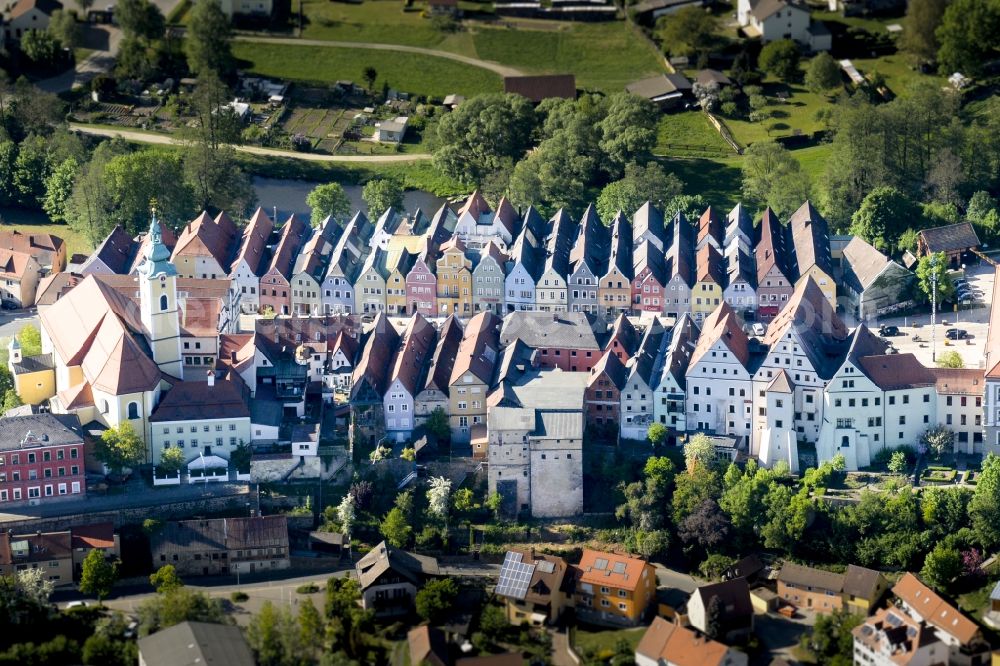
104,407
163,302
133,410
845,441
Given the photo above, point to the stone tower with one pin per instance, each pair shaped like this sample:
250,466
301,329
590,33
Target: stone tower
158,301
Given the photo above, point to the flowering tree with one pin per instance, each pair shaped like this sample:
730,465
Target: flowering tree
438,497
345,514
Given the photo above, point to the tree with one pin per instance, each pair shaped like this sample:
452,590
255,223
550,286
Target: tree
328,200
950,359
773,177
165,578
897,462
708,527
64,29
40,47
919,25
172,460
823,73
968,35
311,629
134,179
59,188
438,497
938,439
980,205
176,605
409,454
381,194
639,185
264,634
927,268
908,241
345,514
31,169
691,489
657,434
140,18
942,566
120,447
831,641
714,611
206,42
699,451
464,500
437,425
883,215
493,502
90,206
627,132
30,339
369,75
780,59
396,528
687,32
984,509
8,160
11,400
436,598
98,575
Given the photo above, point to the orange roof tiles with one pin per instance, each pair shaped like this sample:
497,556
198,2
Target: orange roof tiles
934,610
611,569
665,642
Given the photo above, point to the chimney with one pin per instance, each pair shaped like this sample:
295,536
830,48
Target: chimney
211,377
232,356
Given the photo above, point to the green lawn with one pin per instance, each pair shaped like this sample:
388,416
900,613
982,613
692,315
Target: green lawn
813,160
601,644
795,114
38,223
899,76
417,74
688,134
378,22
604,56
718,180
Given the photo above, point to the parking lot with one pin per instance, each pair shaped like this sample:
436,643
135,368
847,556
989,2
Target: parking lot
916,333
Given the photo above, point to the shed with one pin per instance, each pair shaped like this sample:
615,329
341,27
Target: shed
537,88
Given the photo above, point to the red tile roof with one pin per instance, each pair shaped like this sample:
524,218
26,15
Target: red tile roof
611,569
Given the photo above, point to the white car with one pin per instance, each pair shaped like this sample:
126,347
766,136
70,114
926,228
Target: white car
758,329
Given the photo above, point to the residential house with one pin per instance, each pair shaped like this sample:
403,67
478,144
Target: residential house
624,339
719,384
741,281
564,340
219,546
42,459
477,224
48,250
535,588
668,644
550,288
963,637
525,265
415,349
346,261
275,284
472,374
390,578
421,282
370,380
670,396
433,384
991,385
730,601
863,589
783,19
196,643
203,247
52,552
774,283
956,241
613,589
369,287
648,278
120,254
892,637
739,230
666,91
20,275
711,231
810,236
959,395
454,280
205,419
391,131
647,225
710,282
811,589
680,267
343,354
909,400
97,536
614,290
873,284
428,645
637,396
588,262
535,437
395,285
488,280
251,262
28,15
309,269
603,398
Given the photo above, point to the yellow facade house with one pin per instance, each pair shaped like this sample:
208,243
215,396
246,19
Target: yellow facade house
613,589
454,280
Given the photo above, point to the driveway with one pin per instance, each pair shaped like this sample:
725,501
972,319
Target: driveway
779,636
104,40
12,322
675,579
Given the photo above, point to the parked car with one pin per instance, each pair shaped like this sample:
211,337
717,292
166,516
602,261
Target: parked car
956,334
758,328
888,331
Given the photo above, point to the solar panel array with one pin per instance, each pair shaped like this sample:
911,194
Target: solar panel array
515,576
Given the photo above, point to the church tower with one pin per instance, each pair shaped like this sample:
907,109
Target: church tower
158,302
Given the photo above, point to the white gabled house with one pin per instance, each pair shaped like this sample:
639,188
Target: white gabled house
637,396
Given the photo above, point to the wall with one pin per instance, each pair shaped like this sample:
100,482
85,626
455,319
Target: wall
556,477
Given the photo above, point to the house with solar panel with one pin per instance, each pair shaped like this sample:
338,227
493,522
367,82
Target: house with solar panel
535,588
613,590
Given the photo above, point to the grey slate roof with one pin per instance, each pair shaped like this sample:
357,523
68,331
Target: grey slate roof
861,582
196,644
558,425
801,576
30,364
643,363
559,243
222,534
384,557
575,330
621,246
680,251
950,238
593,244
47,429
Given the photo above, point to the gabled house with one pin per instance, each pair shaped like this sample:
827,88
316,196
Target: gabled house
624,339
421,282
647,225
275,284
524,268
863,589
434,382
196,643
550,291
680,267
614,290
50,552
710,282
564,340
954,240
535,587
478,224
369,286
488,280
668,644
20,275
670,396
345,263
390,579
588,261
454,279
370,380
811,589
472,375
309,269
603,397
741,280
637,395
613,589
711,231
343,355
783,19
26,15
960,406
413,353
774,279
963,637
810,237
203,247
730,600
251,260
873,284
220,546
648,278
719,383
47,249
395,285
909,400
739,230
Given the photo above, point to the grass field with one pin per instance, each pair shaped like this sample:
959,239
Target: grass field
718,180
601,643
38,223
378,22
813,160
688,134
796,114
417,74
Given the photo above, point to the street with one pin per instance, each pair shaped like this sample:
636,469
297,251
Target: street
13,321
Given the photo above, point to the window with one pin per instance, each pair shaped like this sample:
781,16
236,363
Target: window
133,410
163,303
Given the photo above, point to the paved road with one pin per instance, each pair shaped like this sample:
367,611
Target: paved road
104,39
163,139
502,70
12,322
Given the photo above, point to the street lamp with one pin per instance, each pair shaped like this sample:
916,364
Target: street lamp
934,281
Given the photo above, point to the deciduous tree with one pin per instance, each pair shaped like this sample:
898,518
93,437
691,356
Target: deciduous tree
396,528
328,200
780,59
206,43
968,36
381,194
919,27
639,185
773,177
884,214
823,73
98,575
120,447
435,599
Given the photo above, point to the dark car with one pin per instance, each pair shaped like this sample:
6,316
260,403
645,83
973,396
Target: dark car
956,334
888,331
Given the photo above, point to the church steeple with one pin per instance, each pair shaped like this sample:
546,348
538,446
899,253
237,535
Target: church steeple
158,302
156,257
